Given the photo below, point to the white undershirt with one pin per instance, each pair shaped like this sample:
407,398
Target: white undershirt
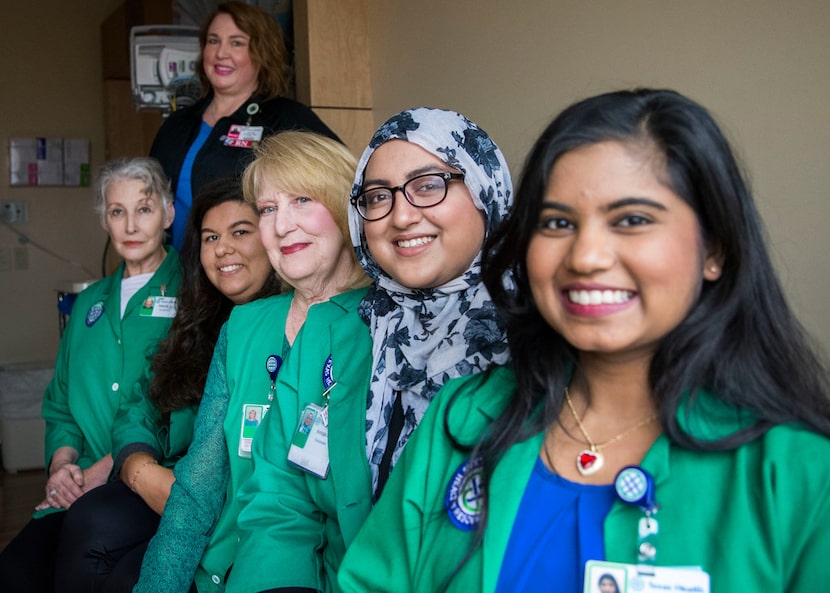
130,286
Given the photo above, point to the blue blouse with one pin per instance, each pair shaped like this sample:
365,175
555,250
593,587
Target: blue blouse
184,193
558,528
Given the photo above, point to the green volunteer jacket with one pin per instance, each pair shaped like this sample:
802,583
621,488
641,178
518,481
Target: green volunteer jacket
100,357
196,539
756,518
295,527
138,427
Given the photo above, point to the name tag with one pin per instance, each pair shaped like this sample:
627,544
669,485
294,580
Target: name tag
252,416
615,576
310,444
159,306
243,136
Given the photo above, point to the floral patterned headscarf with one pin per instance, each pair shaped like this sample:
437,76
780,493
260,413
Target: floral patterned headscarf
424,337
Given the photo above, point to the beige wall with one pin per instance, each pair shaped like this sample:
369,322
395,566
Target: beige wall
50,85
761,66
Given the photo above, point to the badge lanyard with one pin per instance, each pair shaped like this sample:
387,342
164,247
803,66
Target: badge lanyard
254,413
328,385
635,486
272,366
251,110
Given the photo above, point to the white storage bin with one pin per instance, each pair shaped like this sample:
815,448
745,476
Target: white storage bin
21,425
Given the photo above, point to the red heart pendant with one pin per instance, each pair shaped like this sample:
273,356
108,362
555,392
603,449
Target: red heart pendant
589,462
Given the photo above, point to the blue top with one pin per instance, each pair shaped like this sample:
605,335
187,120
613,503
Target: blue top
184,194
558,528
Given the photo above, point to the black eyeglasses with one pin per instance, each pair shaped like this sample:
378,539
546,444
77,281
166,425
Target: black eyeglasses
422,191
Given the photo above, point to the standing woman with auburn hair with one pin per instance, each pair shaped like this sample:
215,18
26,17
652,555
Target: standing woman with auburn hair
663,409
243,68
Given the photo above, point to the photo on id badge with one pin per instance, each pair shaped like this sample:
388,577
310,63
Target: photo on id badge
614,577
603,578
307,420
252,415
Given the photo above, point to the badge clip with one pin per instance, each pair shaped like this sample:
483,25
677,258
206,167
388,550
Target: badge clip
272,366
635,486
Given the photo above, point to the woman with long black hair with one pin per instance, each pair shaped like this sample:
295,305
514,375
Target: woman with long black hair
663,406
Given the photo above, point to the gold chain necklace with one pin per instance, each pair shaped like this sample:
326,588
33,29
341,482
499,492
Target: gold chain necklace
590,461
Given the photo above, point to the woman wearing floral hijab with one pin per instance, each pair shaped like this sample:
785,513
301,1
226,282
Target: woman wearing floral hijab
429,188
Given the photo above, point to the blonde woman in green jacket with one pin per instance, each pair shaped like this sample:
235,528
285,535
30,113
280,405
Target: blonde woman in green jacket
663,421
297,183
113,331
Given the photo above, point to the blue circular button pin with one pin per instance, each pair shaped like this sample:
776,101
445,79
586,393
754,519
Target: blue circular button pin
272,365
635,486
328,378
464,496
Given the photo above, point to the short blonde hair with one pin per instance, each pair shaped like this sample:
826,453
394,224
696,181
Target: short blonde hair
309,164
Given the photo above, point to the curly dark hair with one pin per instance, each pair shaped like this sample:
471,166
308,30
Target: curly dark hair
181,363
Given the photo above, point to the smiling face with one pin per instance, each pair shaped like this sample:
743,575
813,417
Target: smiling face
618,259
227,59
136,223
232,255
421,247
303,242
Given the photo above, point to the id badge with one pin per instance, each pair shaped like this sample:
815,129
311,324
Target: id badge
159,306
242,136
309,448
252,415
630,578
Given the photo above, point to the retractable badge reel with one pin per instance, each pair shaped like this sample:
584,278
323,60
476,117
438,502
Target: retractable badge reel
272,365
635,486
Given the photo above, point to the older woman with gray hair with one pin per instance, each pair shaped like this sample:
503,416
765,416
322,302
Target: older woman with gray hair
429,188
114,328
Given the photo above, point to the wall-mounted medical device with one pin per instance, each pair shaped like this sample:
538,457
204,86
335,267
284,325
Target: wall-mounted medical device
163,66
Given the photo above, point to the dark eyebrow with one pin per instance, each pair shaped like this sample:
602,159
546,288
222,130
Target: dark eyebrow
235,36
635,201
624,202
556,206
238,223
413,173
243,222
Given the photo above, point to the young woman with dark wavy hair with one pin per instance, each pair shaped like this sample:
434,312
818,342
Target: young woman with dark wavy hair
663,406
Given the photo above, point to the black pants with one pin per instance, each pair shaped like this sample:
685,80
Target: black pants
103,540
27,564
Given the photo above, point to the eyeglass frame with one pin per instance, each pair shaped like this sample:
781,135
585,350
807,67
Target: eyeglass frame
447,176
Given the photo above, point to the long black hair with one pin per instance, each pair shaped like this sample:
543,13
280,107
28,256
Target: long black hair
181,363
740,340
